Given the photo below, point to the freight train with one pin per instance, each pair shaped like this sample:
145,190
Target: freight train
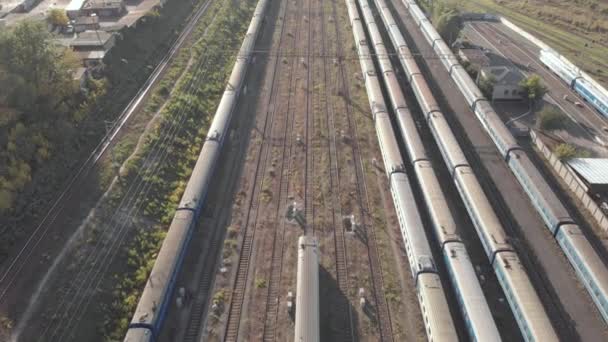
154,302
431,295
586,262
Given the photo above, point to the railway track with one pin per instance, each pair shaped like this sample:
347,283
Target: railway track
276,270
345,329
309,178
382,309
241,280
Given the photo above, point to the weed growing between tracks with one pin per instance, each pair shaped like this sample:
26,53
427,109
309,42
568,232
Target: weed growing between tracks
121,292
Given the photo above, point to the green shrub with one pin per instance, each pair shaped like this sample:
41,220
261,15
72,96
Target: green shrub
551,119
260,283
565,151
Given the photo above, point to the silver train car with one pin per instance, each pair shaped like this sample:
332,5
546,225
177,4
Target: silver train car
580,82
581,256
472,303
153,304
307,291
530,314
431,295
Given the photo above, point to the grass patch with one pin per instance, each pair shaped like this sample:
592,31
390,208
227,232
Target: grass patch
551,119
260,283
565,151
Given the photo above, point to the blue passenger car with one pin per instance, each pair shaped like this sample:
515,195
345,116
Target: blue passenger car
592,95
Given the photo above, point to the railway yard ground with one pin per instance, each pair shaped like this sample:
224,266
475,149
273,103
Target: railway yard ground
557,285
586,127
312,144
301,156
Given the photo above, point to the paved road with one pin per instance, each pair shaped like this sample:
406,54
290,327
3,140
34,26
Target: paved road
573,313
507,43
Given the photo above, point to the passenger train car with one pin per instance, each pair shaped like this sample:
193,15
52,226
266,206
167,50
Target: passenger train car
307,291
153,304
438,321
573,76
524,301
584,259
472,303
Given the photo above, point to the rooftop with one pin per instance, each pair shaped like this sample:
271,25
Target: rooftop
74,5
504,75
475,56
90,55
86,20
103,4
592,170
89,38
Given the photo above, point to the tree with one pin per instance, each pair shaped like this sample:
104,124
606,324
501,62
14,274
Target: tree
37,98
551,119
58,17
39,70
533,87
486,85
446,20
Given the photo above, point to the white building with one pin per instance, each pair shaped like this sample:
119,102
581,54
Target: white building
507,82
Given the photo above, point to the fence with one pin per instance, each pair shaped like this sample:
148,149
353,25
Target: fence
573,183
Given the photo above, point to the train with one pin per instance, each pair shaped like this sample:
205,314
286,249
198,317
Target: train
569,73
472,303
588,266
154,302
432,299
527,308
307,291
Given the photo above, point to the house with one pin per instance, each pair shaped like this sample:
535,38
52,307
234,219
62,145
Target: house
104,8
73,8
93,41
507,82
91,59
82,24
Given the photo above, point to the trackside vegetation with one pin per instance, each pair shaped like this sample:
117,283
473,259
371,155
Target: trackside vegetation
217,49
48,126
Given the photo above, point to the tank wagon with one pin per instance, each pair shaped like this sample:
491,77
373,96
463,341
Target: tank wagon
153,304
584,259
525,303
472,303
569,73
438,321
307,291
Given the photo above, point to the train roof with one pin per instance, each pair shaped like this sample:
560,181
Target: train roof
307,292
